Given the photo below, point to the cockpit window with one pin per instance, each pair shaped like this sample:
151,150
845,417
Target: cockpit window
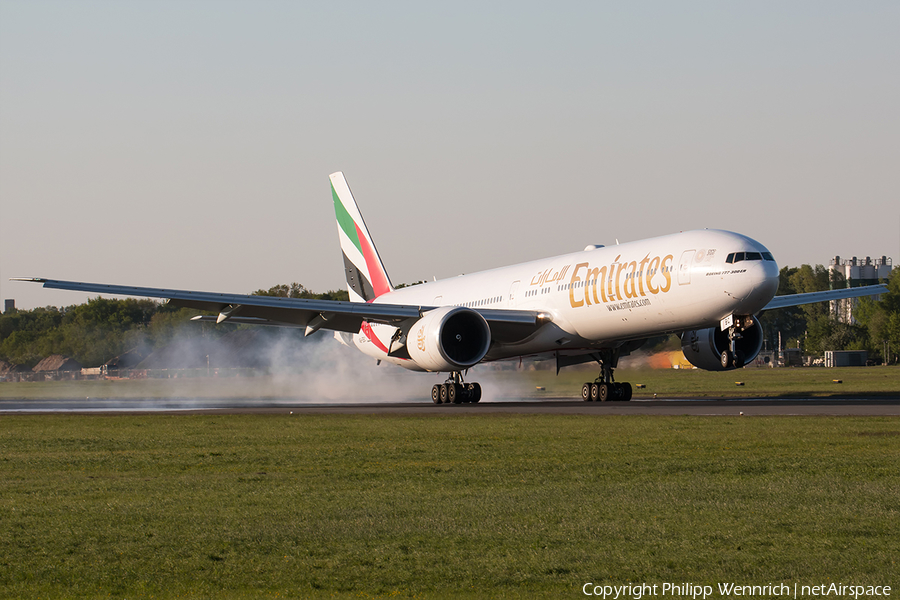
736,257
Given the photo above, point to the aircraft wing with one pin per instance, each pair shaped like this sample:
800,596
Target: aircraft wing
336,315
798,299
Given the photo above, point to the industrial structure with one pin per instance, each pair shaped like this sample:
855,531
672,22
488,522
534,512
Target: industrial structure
855,273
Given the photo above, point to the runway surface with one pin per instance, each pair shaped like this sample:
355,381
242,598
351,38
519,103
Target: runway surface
561,406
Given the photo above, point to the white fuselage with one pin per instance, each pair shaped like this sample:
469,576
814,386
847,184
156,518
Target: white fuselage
605,296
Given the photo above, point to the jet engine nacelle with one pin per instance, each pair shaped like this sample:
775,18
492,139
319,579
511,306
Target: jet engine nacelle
703,347
449,339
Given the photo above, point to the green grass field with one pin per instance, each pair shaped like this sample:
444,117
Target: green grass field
203,506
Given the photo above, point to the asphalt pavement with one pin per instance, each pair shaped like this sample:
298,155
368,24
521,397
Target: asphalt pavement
562,406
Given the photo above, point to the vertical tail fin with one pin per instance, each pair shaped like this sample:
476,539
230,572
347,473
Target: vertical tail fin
366,276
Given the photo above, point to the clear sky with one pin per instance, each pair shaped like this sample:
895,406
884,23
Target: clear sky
188,144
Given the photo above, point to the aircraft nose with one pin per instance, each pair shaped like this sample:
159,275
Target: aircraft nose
762,284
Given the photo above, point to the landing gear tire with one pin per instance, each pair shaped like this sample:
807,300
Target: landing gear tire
603,392
725,359
445,393
436,394
626,392
732,361
474,392
586,393
455,394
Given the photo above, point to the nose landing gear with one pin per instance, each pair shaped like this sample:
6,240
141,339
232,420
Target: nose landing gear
732,357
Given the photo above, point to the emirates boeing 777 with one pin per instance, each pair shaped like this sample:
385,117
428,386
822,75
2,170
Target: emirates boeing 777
597,305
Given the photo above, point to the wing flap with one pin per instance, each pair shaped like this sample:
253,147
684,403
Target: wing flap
242,321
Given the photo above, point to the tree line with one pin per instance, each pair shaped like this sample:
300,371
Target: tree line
99,330
815,328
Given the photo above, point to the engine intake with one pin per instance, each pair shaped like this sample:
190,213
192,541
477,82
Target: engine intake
449,339
704,347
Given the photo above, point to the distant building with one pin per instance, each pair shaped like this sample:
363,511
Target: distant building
9,304
856,273
57,362
792,357
846,358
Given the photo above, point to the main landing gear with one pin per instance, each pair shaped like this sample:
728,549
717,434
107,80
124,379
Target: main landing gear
604,387
454,391
601,391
